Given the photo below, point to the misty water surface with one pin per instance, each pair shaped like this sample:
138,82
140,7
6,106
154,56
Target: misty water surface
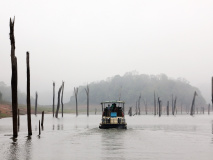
147,137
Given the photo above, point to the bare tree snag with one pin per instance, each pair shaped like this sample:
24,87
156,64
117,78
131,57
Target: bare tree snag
172,105
58,105
62,104
39,126
42,119
36,103
53,98
192,111
28,96
154,104
139,104
76,99
14,79
174,108
87,92
159,105
167,108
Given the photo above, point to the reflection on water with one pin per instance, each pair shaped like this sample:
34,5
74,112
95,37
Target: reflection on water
147,137
13,150
28,146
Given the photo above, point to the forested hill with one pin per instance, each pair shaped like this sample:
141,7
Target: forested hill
130,86
5,95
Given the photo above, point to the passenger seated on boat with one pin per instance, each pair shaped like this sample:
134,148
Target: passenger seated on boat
113,107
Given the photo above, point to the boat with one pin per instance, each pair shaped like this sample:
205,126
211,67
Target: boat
113,115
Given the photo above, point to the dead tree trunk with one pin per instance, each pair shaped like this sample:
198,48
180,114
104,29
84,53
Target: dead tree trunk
14,79
53,98
159,106
193,104
87,92
76,99
154,104
172,105
42,119
58,105
62,104
167,108
174,108
28,97
39,127
139,104
36,103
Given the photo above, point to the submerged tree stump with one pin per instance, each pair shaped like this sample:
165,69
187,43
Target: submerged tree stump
87,92
39,126
14,80
154,104
62,104
42,119
58,105
28,96
76,100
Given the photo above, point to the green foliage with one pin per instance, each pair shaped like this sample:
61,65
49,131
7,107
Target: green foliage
131,85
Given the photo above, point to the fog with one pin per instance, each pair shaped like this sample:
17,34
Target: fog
82,41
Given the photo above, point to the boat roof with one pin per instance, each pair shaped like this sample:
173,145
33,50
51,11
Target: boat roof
112,102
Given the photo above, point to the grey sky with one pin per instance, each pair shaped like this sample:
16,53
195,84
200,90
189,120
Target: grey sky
81,41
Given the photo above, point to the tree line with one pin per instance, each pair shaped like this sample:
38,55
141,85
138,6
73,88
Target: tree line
131,86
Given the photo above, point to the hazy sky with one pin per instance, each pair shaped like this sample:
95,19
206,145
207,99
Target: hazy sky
81,41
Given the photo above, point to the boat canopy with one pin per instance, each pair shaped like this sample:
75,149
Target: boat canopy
112,102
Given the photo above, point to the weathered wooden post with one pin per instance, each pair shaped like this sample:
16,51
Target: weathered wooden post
28,96
167,108
36,103
76,99
95,110
62,95
154,104
42,119
87,92
14,79
39,128
53,98
193,103
58,105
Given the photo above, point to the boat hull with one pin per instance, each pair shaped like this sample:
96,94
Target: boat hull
108,126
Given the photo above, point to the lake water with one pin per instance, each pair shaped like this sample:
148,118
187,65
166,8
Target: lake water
147,137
